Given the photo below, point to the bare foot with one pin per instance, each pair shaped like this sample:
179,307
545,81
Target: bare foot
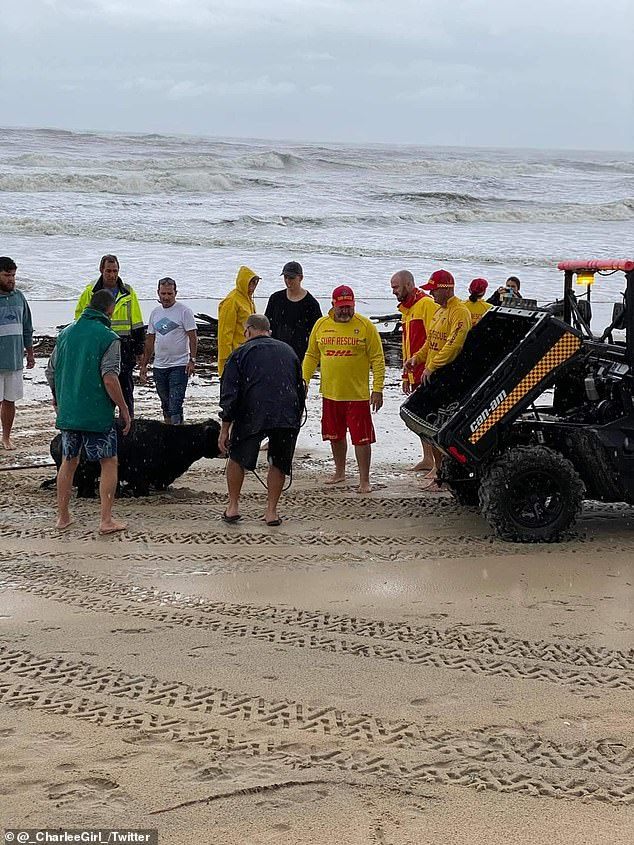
7,444
62,524
112,527
435,487
422,466
364,487
335,479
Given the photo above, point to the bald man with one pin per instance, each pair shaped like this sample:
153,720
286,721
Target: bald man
417,310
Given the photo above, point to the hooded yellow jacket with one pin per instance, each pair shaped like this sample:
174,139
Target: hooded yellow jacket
232,315
346,352
446,335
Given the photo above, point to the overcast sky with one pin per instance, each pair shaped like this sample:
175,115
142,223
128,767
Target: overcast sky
545,73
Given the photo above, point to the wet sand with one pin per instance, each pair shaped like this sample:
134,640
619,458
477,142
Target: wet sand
378,669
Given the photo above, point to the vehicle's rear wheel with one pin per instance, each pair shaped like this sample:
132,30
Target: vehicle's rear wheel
463,487
531,494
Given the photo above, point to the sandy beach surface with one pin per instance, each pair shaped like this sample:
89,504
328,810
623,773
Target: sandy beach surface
378,669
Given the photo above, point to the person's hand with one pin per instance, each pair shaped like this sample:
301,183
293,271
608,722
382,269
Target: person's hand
124,416
407,387
502,290
139,360
30,360
376,401
143,374
409,365
223,442
190,368
427,374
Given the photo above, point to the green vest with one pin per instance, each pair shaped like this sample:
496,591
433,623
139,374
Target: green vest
83,403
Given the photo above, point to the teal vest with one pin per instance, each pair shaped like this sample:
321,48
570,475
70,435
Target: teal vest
83,403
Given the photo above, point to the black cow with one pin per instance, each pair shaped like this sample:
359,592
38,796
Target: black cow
152,454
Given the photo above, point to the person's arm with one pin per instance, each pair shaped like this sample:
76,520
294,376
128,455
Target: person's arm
27,335
416,360
113,389
110,369
311,358
223,437
227,319
193,351
148,354
269,312
50,374
377,365
458,331
229,390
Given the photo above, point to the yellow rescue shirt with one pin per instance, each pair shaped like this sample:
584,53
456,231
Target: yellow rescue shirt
345,352
477,309
446,336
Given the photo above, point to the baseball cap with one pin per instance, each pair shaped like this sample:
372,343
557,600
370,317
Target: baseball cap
439,279
292,268
478,286
343,295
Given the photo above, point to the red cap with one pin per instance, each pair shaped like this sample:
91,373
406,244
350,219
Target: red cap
478,286
439,279
342,296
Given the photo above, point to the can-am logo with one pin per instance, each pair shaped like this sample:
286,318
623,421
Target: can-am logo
486,413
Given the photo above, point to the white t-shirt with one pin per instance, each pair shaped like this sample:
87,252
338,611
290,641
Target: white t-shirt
169,327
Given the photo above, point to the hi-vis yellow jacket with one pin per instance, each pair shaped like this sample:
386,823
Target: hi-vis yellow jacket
446,335
127,319
232,315
346,352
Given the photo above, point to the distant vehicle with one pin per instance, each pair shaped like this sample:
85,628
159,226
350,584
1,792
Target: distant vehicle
529,466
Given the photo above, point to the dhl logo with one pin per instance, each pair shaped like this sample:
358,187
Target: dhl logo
565,347
330,353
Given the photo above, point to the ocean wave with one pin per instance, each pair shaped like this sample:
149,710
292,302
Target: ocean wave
270,160
244,242
129,182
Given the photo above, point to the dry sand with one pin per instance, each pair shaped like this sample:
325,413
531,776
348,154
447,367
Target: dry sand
377,670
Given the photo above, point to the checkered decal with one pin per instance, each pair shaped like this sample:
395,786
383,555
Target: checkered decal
565,347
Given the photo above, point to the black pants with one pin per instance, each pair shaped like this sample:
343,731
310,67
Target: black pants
127,384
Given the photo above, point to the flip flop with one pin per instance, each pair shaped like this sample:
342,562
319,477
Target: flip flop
230,520
274,523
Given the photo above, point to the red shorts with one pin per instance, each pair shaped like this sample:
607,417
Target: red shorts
339,417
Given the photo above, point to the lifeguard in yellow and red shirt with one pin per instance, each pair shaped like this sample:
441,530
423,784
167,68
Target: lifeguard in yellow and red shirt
446,336
475,304
346,346
417,310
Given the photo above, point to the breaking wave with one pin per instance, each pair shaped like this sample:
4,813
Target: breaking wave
130,182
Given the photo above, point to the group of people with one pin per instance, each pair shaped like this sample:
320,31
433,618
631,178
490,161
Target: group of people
265,363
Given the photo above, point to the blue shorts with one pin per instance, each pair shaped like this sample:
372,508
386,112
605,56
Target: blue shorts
96,446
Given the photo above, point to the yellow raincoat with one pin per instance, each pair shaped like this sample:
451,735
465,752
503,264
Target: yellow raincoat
232,315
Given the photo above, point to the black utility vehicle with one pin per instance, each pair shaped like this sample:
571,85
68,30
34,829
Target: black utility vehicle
529,465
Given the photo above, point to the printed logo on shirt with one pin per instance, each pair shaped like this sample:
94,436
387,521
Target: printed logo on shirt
165,326
10,314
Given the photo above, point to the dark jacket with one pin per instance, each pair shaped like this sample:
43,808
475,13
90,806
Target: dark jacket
262,388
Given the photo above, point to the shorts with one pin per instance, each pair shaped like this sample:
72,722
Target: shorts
339,417
96,446
11,385
280,452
